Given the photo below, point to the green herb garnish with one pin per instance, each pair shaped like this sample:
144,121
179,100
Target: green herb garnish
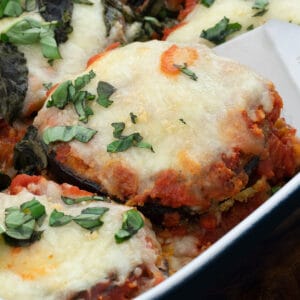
21,223
220,31
207,3
275,189
105,90
250,27
58,218
68,133
90,218
10,8
72,201
261,6
183,69
133,117
118,129
182,121
132,223
29,31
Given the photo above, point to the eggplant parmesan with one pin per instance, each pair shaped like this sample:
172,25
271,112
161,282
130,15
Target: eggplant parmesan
73,251
213,22
167,124
56,39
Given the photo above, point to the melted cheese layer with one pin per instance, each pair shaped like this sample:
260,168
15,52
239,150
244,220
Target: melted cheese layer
202,18
69,259
211,107
87,39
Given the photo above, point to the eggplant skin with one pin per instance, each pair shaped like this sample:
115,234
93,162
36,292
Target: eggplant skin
60,11
30,154
13,81
61,173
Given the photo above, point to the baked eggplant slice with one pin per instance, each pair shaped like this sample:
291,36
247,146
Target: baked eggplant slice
168,123
60,242
57,38
222,20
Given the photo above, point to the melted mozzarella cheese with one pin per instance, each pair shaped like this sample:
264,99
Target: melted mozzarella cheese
87,39
202,18
69,259
211,107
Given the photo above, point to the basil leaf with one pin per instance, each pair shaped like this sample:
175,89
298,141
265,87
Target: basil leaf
250,27
4,181
182,121
22,232
48,42
105,90
132,223
260,13
36,236
16,218
68,133
80,104
118,129
183,69
13,8
124,143
260,4
86,2
60,98
82,81
133,118
58,218
145,146
90,218
220,31
29,31
207,3
34,208
30,5
72,201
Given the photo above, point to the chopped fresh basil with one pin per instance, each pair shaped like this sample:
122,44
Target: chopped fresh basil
60,98
261,6
30,5
2,229
90,218
34,208
81,107
118,129
220,31
125,142
182,121
82,81
86,2
183,69
105,90
145,146
275,189
21,223
72,201
250,27
68,133
29,31
4,181
207,3
58,218
133,118
132,223
10,8
67,92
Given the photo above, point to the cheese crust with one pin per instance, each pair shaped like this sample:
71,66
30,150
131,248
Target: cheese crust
68,260
193,126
